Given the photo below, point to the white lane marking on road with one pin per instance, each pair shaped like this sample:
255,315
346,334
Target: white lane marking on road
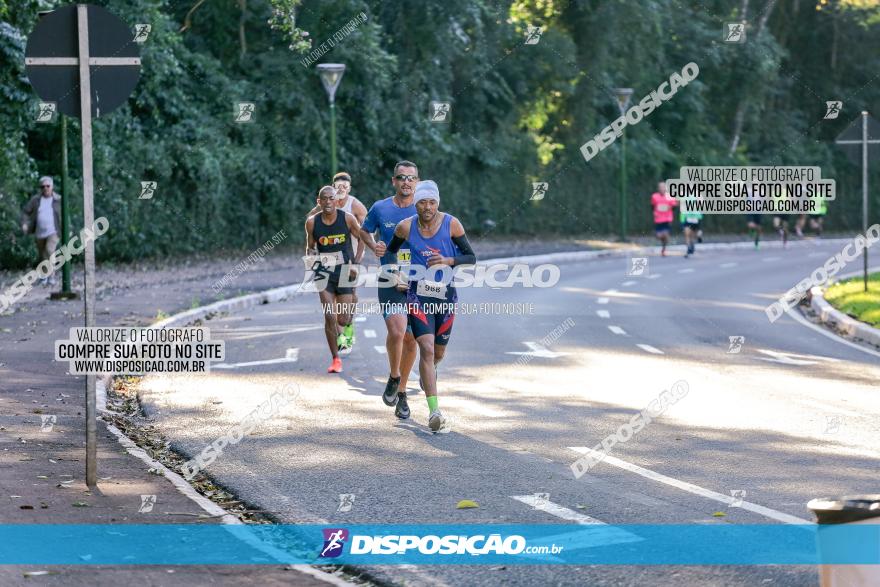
654,276
370,333
793,358
578,539
603,313
628,283
797,316
380,349
292,356
617,330
360,318
728,265
602,301
555,509
691,488
537,350
688,270
648,348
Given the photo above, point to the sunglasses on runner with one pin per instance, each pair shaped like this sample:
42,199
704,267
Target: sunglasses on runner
406,177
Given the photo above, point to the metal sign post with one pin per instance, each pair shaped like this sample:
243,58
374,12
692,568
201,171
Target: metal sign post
868,136
85,101
61,69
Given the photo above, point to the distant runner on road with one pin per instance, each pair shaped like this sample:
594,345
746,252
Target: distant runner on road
400,344
662,203
690,223
754,220
328,241
437,241
348,203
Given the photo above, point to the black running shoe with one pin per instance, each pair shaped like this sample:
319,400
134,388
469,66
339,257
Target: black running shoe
402,409
389,396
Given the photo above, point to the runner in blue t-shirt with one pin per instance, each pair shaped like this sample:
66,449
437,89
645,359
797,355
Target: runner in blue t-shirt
382,218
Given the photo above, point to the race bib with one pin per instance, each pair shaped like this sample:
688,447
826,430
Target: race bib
431,289
330,260
403,257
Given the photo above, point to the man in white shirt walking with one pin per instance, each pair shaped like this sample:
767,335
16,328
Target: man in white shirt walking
41,217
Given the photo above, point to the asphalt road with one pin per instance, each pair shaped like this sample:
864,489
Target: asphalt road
792,416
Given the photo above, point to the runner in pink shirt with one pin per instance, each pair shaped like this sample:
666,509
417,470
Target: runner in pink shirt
663,204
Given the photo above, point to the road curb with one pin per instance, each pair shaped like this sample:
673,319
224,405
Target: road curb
839,322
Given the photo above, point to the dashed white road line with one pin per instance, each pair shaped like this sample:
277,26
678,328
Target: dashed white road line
555,509
617,330
360,318
577,539
648,348
603,313
602,301
691,488
380,349
370,333
628,283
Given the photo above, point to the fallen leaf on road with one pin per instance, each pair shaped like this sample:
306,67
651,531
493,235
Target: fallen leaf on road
14,496
38,573
41,477
580,506
467,504
719,514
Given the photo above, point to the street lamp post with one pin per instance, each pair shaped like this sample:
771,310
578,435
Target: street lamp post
331,75
623,96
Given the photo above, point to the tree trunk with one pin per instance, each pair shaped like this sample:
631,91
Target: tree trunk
242,4
739,117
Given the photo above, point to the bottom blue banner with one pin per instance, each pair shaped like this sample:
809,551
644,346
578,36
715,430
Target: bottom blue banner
187,544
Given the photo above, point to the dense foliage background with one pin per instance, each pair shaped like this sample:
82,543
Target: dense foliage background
520,112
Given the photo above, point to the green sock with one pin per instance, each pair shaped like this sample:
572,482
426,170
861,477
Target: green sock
348,329
432,402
